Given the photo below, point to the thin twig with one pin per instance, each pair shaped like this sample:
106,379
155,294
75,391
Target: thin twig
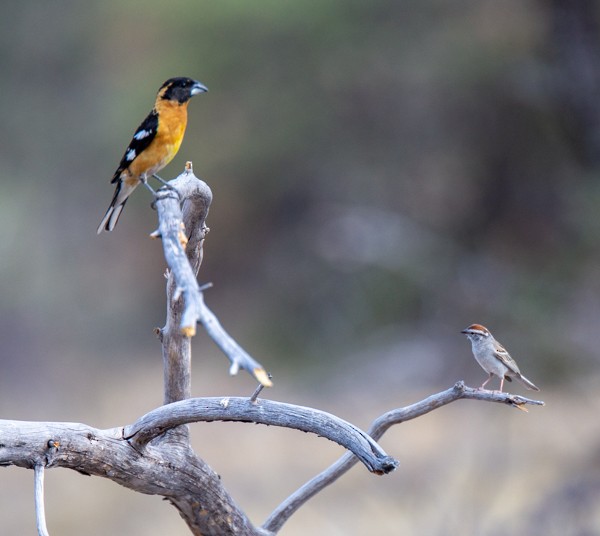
40,512
238,357
288,507
257,391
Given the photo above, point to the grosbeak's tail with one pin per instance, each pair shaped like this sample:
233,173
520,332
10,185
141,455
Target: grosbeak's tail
111,217
122,193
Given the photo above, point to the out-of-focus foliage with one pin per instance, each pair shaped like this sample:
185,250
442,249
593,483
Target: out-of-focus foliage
384,174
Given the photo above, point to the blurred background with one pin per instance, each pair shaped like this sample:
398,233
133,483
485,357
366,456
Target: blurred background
384,174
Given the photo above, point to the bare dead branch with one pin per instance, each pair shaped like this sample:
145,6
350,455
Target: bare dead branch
185,301
40,512
268,412
182,207
171,229
169,468
174,472
396,416
238,357
183,292
186,481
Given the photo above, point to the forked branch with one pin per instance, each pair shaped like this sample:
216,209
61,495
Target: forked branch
383,423
176,473
183,231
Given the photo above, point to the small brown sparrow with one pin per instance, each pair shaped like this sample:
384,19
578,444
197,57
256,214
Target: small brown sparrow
493,358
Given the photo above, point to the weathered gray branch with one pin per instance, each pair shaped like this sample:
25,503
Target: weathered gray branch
157,465
175,472
179,228
262,411
183,292
396,416
172,231
40,511
182,208
135,456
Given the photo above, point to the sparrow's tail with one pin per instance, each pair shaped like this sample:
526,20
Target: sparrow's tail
527,383
122,193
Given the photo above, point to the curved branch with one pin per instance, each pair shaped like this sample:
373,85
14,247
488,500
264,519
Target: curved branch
267,412
383,423
457,392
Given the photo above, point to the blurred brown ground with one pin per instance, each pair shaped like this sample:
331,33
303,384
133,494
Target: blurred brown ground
384,174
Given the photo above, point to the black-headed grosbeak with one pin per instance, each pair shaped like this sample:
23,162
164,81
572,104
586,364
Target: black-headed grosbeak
154,144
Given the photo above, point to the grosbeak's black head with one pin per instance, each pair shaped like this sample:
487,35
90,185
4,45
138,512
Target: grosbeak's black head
180,89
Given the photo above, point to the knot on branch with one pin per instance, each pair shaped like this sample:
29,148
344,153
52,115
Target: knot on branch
459,386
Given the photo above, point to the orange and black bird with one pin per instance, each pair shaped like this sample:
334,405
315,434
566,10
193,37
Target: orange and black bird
154,144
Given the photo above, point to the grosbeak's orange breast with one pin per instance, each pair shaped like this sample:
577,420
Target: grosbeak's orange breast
169,135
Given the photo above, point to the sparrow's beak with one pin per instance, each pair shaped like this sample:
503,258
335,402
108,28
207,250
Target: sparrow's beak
465,331
198,88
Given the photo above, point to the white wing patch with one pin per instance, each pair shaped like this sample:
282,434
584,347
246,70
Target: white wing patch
140,135
130,155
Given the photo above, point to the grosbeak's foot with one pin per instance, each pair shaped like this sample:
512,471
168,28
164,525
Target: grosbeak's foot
145,183
164,182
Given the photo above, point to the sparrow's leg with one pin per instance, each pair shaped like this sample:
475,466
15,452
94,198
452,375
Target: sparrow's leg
486,381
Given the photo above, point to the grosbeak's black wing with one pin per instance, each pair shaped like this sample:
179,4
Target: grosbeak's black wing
143,137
